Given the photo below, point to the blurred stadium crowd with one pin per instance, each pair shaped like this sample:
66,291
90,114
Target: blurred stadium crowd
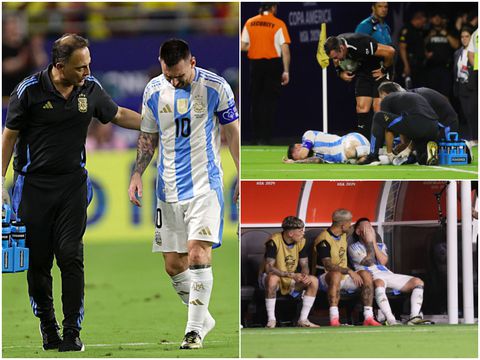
29,27
433,53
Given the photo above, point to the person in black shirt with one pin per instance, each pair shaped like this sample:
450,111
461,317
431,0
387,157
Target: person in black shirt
406,114
48,117
440,46
411,46
447,116
360,56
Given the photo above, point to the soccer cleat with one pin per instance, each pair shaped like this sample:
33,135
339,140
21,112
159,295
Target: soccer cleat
50,335
192,340
418,320
307,324
371,159
208,325
71,341
371,322
271,324
392,323
335,321
432,153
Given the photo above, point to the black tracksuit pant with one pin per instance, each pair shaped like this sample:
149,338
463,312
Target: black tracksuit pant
265,85
54,210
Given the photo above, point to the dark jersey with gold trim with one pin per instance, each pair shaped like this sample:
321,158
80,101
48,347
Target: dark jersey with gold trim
52,129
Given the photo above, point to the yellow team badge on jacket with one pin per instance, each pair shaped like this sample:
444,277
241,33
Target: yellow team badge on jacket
182,106
82,103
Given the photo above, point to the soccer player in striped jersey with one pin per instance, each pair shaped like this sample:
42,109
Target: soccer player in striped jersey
182,112
334,275
319,147
367,254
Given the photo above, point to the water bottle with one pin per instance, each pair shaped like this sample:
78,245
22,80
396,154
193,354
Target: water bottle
6,232
19,233
6,214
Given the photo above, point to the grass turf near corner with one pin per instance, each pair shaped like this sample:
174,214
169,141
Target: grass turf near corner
265,162
437,341
131,309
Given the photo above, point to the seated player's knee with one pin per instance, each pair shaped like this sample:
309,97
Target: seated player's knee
272,281
366,277
417,282
314,282
378,283
333,278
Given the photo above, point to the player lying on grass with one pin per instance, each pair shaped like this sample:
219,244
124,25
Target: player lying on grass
318,147
366,254
409,115
330,257
284,251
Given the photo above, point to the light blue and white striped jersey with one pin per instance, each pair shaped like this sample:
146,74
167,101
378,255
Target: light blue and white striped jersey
357,251
330,147
187,121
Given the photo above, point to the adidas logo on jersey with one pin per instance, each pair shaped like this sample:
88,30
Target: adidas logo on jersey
205,232
48,105
166,109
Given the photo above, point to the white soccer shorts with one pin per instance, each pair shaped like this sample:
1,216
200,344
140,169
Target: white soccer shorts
199,218
391,280
345,284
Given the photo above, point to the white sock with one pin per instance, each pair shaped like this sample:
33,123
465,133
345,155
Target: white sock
416,300
333,312
367,312
306,307
270,305
383,303
200,291
181,283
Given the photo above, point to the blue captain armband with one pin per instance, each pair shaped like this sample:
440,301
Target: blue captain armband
228,115
307,144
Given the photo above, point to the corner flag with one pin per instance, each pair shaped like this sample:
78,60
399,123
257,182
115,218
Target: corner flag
322,56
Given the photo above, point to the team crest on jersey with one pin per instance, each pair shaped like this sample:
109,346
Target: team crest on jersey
198,106
182,106
82,103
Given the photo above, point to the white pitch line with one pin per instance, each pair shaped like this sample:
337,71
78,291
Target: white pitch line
373,331
399,169
453,169
87,345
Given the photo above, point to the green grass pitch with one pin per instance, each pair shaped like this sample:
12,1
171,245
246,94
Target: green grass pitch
436,341
265,162
131,309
